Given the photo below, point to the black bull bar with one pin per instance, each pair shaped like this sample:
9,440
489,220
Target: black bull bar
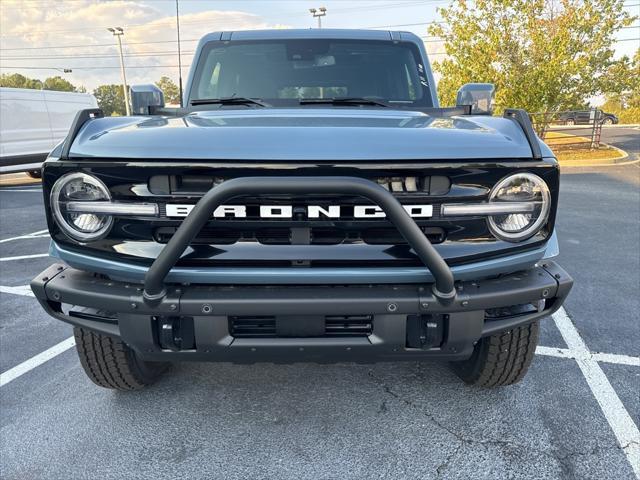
154,284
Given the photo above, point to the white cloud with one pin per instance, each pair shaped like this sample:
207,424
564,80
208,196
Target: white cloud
43,23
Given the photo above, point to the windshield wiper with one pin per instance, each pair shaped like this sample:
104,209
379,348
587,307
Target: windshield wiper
229,101
343,101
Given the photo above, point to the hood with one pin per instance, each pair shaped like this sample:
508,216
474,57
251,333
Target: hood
313,134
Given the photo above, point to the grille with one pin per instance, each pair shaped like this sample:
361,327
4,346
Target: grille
334,326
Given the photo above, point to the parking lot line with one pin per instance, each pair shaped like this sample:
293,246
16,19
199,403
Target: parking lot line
38,234
598,357
23,257
621,423
24,290
36,361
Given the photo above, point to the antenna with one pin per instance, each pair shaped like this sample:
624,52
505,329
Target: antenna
179,56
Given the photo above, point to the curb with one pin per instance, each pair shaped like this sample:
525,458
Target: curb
616,162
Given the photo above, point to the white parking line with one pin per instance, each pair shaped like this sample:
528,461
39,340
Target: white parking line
598,357
625,430
23,257
36,361
38,234
24,290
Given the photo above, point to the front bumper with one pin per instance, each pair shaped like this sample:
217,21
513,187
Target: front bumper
480,308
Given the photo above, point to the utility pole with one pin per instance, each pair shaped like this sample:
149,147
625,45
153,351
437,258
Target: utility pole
118,32
179,56
319,13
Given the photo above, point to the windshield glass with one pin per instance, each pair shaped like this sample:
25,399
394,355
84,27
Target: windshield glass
283,72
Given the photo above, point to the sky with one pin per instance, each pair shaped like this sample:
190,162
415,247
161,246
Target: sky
40,38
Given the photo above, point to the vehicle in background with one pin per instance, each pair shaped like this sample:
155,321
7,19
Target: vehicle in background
586,117
32,122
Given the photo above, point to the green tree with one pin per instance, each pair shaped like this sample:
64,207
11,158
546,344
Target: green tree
59,84
110,99
625,102
170,90
15,80
542,55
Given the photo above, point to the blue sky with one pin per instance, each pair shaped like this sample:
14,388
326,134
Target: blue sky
39,36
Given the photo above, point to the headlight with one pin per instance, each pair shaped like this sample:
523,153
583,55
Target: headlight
80,187
532,194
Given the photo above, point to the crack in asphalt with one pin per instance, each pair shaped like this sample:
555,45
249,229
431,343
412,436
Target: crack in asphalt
564,460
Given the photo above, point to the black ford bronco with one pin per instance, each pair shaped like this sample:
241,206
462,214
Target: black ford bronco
310,201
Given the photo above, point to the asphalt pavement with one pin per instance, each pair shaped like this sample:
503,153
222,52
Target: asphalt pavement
389,420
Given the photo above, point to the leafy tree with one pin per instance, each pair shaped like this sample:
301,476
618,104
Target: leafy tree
170,90
15,80
110,99
625,103
59,84
542,55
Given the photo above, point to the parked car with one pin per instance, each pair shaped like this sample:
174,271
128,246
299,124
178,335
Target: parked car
586,117
312,202
32,122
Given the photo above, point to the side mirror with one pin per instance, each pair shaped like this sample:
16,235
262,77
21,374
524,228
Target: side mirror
145,96
479,95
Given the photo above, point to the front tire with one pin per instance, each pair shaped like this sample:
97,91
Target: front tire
607,121
110,363
501,359
570,121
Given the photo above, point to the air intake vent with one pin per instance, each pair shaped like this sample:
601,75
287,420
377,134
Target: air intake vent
348,326
334,326
252,327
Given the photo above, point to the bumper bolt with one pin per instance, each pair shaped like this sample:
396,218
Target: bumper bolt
56,295
173,308
425,305
206,308
465,303
392,307
545,293
134,306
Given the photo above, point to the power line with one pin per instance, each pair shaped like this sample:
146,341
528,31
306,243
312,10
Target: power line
5,67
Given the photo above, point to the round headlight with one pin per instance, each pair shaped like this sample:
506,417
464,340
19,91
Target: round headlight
533,199
80,187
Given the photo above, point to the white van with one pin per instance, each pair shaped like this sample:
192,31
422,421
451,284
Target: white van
32,122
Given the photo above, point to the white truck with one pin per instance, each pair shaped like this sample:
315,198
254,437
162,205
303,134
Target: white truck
32,122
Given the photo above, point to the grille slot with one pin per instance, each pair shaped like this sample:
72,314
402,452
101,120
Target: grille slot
348,326
335,326
252,327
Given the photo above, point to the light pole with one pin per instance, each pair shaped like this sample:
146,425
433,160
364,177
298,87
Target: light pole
319,13
118,32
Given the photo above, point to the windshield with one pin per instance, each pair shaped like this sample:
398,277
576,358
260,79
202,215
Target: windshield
283,72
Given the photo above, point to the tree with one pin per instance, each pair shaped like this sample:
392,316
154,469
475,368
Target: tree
15,80
170,90
110,99
542,55
59,84
625,103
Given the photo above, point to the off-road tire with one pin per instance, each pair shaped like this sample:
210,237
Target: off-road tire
607,121
109,363
501,359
